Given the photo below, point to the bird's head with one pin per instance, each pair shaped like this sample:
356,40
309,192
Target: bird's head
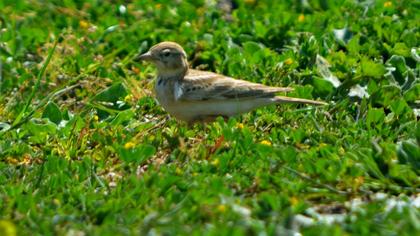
169,58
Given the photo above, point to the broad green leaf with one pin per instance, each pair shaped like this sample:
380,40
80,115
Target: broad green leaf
372,69
413,93
322,87
112,94
302,92
353,45
399,106
254,51
401,49
386,95
52,112
410,38
252,47
40,129
137,154
398,62
375,116
403,173
260,29
38,126
122,117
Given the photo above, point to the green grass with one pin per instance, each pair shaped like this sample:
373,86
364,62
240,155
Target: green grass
84,147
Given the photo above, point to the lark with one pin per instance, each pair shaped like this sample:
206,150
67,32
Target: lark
193,95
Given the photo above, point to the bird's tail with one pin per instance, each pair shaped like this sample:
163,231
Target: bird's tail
282,99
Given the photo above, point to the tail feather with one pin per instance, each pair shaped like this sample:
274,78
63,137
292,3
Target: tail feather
282,99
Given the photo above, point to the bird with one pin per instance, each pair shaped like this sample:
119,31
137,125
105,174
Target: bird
192,95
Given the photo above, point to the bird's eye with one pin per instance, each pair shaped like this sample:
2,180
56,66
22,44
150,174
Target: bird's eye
166,53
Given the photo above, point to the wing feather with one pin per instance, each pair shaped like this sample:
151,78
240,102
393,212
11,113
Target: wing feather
202,85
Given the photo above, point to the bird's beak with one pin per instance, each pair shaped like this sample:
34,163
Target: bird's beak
145,57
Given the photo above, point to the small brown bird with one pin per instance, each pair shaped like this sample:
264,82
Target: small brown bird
193,95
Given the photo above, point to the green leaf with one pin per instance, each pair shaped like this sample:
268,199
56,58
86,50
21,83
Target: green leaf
408,152
417,133
260,29
375,116
403,173
401,49
302,92
251,47
398,62
112,94
37,126
372,69
410,38
353,45
137,154
413,93
386,95
399,107
253,51
122,117
52,112
40,129
370,164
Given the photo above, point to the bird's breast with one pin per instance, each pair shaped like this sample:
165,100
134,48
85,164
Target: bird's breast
163,92
167,92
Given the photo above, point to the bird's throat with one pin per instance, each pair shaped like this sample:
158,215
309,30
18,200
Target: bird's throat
172,74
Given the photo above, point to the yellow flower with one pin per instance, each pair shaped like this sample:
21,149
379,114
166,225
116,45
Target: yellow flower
321,145
56,202
215,162
388,4
95,117
302,146
221,208
11,160
83,24
294,201
301,18
288,61
7,228
128,98
158,6
266,143
27,159
358,181
129,145
239,125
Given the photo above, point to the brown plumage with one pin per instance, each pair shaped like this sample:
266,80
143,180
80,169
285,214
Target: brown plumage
193,95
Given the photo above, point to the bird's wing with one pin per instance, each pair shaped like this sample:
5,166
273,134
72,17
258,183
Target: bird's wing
202,85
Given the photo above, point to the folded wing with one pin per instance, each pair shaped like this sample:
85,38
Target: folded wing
202,85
